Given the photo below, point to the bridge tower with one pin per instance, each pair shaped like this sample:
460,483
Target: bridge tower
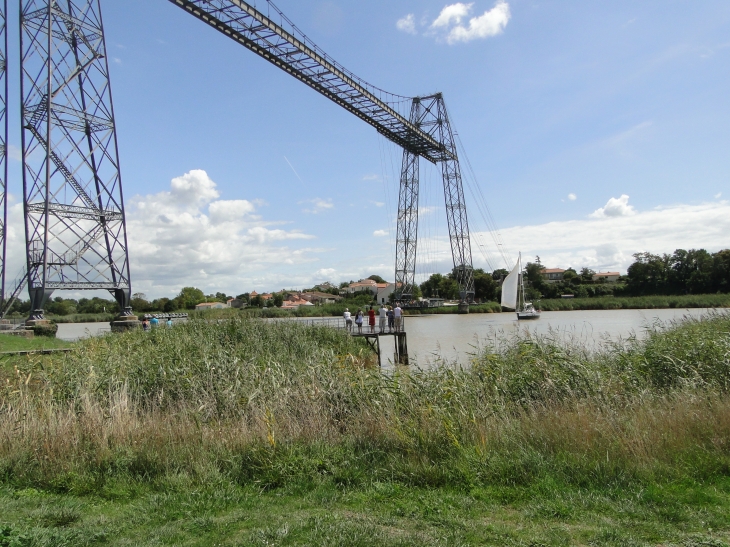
3,143
429,115
72,189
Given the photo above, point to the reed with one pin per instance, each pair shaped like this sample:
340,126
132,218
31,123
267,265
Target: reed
637,302
280,403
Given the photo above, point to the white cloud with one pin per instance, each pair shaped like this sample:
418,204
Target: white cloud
407,24
15,153
326,273
718,195
608,242
572,197
378,203
371,177
188,237
318,205
454,13
380,233
452,26
616,207
117,60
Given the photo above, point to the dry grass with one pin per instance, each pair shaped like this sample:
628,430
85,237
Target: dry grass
271,403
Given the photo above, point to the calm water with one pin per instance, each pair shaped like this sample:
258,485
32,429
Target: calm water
454,337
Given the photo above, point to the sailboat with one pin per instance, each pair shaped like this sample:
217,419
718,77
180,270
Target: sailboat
513,294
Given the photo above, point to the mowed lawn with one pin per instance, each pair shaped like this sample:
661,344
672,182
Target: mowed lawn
387,514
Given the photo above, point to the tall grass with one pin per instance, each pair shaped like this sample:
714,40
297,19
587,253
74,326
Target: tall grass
637,302
269,403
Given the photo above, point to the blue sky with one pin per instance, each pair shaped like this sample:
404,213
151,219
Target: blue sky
595,130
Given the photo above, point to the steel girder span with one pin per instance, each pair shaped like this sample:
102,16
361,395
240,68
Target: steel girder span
74,211
425,133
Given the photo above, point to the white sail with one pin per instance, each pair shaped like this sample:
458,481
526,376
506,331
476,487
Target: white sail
509,288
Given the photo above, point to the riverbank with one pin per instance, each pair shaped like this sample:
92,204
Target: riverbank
261,433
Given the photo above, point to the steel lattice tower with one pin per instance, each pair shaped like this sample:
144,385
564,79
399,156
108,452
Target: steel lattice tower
429,114
74,212
3,144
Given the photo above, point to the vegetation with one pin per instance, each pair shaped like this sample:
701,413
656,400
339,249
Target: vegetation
247,432
19,343
684,272
637,303
446,286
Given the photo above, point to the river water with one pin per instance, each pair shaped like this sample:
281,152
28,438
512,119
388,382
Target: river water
454,338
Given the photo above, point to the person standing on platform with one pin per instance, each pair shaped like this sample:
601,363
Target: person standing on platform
397,313
371,320
383,313
348,319
391,319
358,321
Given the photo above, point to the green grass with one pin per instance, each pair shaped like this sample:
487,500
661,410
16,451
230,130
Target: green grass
254,433
17,343
82,318
637,302
224,514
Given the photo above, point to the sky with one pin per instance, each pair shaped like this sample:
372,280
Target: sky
594,130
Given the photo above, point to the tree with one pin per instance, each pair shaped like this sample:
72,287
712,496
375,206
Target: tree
721,271
586,276
648,274
440,285
570,276
485,287
533,273
277,300
190,297
499,274
377,279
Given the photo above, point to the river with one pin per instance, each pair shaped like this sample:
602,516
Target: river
452,338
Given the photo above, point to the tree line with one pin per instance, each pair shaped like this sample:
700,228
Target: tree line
696,271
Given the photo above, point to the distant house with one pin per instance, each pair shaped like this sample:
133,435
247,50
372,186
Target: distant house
362,286
552,275
385,290
236,303
211,306
607,277
294,301
316,297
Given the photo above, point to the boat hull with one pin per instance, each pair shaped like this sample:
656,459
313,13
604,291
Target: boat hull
524,316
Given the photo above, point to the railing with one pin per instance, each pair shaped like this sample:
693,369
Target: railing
339,323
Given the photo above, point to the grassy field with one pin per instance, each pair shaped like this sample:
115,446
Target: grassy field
17,343
250,433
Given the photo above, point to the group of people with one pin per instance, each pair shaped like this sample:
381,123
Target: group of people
149,324
389,317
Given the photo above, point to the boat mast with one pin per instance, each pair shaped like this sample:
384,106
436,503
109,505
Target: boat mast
522,285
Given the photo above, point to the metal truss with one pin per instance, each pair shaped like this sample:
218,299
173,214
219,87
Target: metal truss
290,50
3,144
407,238
74,211
430,115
